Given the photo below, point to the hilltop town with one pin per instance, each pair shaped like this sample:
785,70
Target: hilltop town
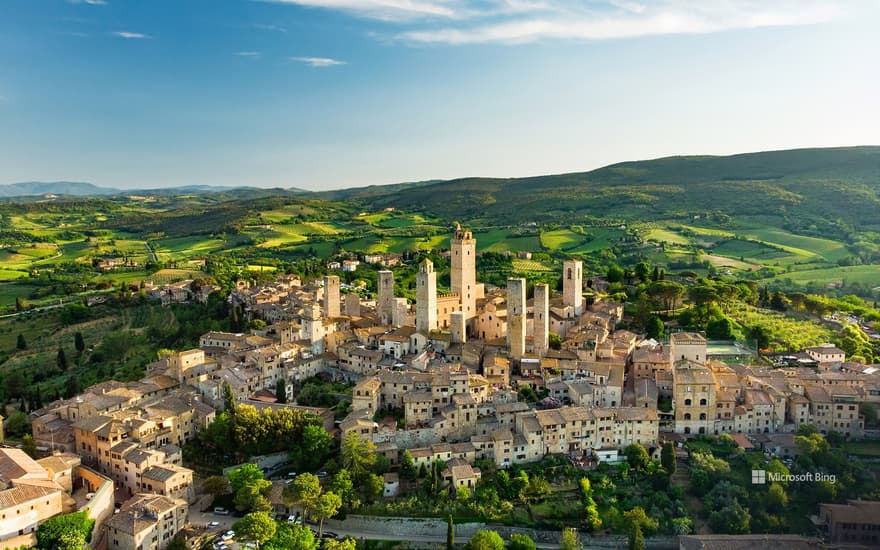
469,376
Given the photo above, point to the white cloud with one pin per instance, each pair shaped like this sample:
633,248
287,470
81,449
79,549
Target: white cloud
519,21
633,20
248,54
131,35
386,10
318,61
264,27
89,2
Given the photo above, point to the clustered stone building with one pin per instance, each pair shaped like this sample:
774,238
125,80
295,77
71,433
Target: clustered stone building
452,368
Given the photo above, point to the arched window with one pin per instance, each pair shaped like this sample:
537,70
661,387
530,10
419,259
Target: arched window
687,416
687,402
702,401
702,416
687,430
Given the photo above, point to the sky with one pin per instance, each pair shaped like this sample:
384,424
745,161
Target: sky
322,94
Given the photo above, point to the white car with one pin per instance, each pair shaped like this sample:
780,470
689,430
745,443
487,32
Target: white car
214,524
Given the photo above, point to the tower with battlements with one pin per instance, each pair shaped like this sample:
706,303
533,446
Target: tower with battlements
463,276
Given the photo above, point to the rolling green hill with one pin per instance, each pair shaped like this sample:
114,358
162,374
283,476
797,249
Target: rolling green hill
799,187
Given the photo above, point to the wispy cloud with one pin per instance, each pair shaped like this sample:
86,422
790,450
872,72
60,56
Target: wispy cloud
318,61
131,35
264,27
89,2
248,54
522,21
387,10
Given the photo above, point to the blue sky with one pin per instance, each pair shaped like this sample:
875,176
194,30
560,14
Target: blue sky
337,93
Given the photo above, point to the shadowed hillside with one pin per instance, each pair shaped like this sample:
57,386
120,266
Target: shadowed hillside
824,183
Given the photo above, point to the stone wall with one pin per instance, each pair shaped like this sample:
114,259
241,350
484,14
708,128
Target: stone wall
424,527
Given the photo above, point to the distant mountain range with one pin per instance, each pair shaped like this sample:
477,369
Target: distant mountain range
82,189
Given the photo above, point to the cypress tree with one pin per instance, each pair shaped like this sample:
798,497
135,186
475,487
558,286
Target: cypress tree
450,534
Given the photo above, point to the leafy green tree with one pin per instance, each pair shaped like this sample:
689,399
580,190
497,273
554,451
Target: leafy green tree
65,532
257,527
326,506
720,329
303,491
682,525
314,449
732,519
407,466
342,485
28,446
486,540
520,542
289,536
216,486
463,494
344,544
450,534
358,454
614,274
569,540
643,270
78,342
372,486
637,456
61,359
637,516
554,341
247,475
20,304
18,424
667,458
251,499
776,497
249,487
21,343
655,327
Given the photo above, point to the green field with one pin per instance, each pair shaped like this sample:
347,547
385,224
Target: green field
863,274
499,240
180,247
667,236
561,239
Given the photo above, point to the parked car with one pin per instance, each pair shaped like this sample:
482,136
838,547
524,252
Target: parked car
220,511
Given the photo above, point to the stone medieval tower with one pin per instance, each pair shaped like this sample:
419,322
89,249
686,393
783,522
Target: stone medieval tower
426,297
